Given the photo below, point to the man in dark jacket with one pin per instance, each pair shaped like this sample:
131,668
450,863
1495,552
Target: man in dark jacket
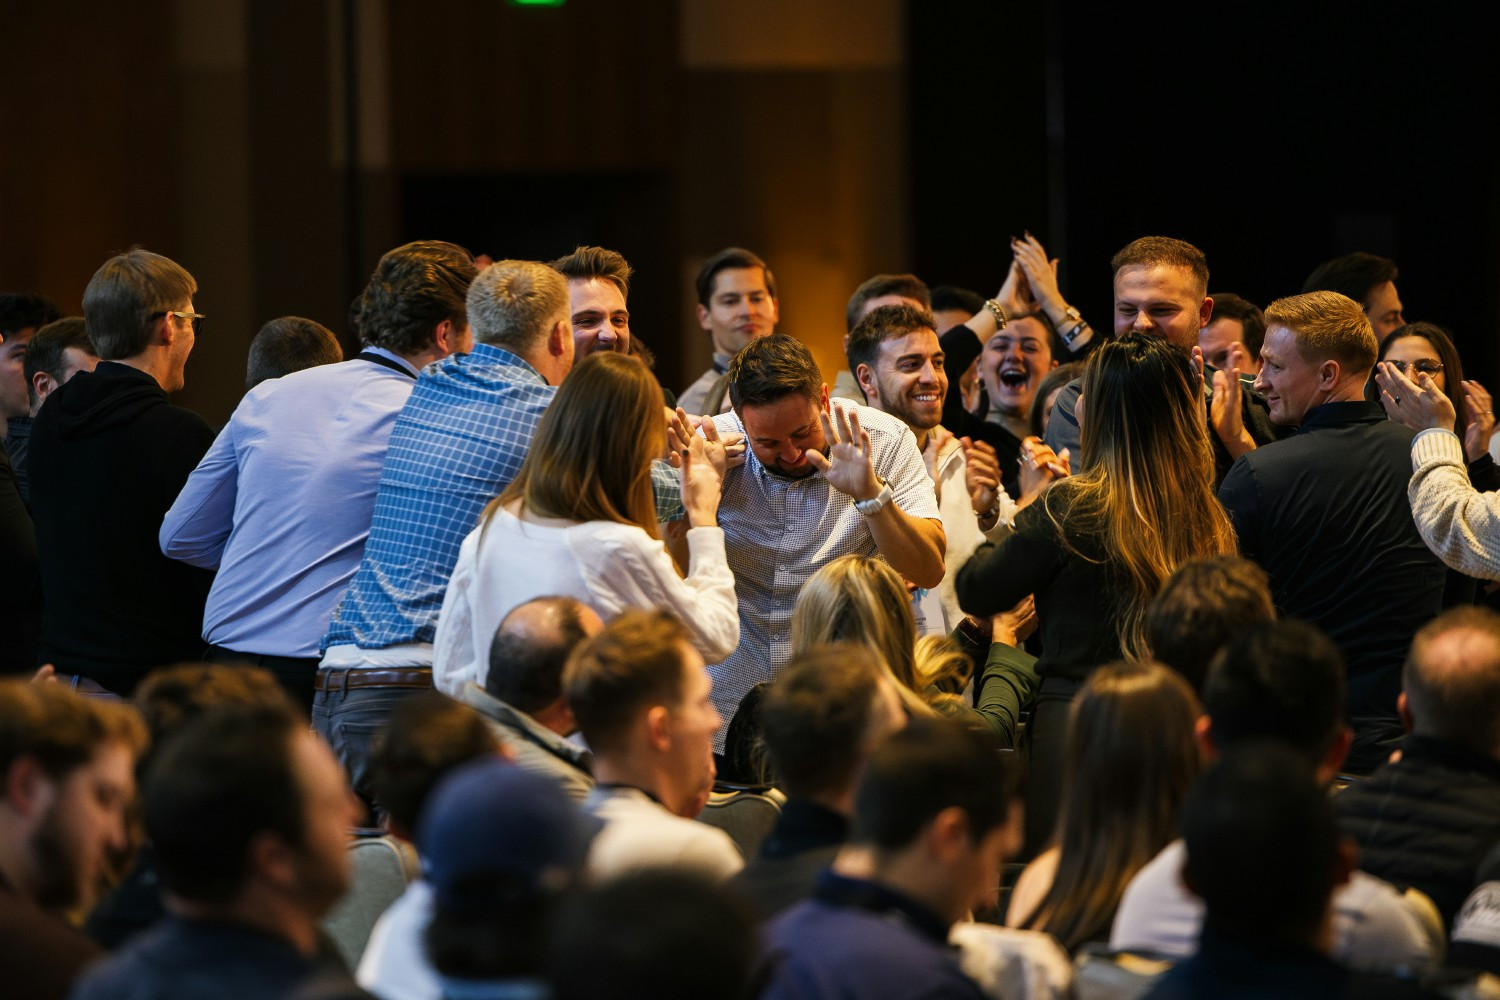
108,457
1428,819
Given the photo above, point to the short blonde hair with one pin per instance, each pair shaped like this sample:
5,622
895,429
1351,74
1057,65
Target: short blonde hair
1327,325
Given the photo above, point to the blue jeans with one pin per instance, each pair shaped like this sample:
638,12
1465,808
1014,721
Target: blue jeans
349,722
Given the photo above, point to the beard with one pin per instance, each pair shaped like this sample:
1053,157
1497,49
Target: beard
59,884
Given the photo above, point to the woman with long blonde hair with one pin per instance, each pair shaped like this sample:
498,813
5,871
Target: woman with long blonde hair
1098,546
861,599
579,520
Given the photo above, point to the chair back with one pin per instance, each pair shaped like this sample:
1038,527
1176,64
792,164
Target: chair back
382,866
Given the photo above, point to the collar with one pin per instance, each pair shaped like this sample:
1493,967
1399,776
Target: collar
1344,414
872,897
1444,753
721,362
370,353
513,718
805,825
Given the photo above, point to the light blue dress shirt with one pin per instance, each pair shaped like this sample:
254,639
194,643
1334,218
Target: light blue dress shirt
281,504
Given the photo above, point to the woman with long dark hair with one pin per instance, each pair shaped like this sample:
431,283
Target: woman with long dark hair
1131,755
579,521
1096,547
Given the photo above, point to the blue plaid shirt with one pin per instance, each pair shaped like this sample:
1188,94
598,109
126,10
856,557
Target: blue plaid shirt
459,441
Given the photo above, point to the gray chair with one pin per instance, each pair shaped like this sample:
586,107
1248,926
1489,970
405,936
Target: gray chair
382,867
747,814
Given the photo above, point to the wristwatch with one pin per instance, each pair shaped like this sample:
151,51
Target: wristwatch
877,503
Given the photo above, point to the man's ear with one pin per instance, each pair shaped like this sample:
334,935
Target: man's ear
1205,311
29,791
703,319
1403,709
658,733
1328,374
948,834
446,335
866,379
273,859
560,340
42,384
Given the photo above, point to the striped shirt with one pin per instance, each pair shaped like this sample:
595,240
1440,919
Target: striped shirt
779,531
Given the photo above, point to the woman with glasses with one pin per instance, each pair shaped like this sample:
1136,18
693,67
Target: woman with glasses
1419,349
1425,349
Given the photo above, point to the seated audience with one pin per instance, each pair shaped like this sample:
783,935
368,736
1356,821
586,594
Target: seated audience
289,344
580,520
642,700
1428,819
1098,546
249,814
67,764
658,934
427,738
167,700
522,697
1281,681
933,814
1201,607
820,720
1265,855
1130,759
501,845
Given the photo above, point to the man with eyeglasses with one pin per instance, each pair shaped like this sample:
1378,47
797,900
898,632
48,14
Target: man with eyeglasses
109,454
1324,510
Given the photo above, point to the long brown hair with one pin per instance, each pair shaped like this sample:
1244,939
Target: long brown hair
591,457
1145,503
1131,756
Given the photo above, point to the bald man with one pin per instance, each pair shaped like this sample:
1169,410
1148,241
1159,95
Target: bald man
522,696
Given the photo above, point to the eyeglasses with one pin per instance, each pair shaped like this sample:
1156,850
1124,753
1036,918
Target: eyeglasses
1423,367
196,318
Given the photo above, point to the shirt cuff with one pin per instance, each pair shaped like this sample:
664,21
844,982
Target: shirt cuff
1436,445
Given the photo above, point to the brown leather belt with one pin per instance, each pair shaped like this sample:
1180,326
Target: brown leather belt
347,679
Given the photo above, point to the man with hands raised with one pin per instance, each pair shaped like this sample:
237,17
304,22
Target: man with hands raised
816,484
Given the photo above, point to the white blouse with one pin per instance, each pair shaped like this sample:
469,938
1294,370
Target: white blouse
607,565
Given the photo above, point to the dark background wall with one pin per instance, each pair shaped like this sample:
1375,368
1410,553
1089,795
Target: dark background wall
277,148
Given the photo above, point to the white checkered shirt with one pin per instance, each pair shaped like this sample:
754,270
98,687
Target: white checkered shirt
780,531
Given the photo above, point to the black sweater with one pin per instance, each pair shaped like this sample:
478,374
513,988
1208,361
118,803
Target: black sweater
109,455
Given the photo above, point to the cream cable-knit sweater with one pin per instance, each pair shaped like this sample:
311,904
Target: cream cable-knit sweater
1458,523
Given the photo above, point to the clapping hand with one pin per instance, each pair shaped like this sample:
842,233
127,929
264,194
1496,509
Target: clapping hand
1419,405
1481,420
701,460
982,474
849,467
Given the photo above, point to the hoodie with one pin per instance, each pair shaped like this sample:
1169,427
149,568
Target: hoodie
108,457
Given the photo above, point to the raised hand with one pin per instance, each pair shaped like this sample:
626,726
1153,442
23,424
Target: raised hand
1040,467
1419,405
849,467
1481,412
700,460
937,440
1040,272
1224,410
981,474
